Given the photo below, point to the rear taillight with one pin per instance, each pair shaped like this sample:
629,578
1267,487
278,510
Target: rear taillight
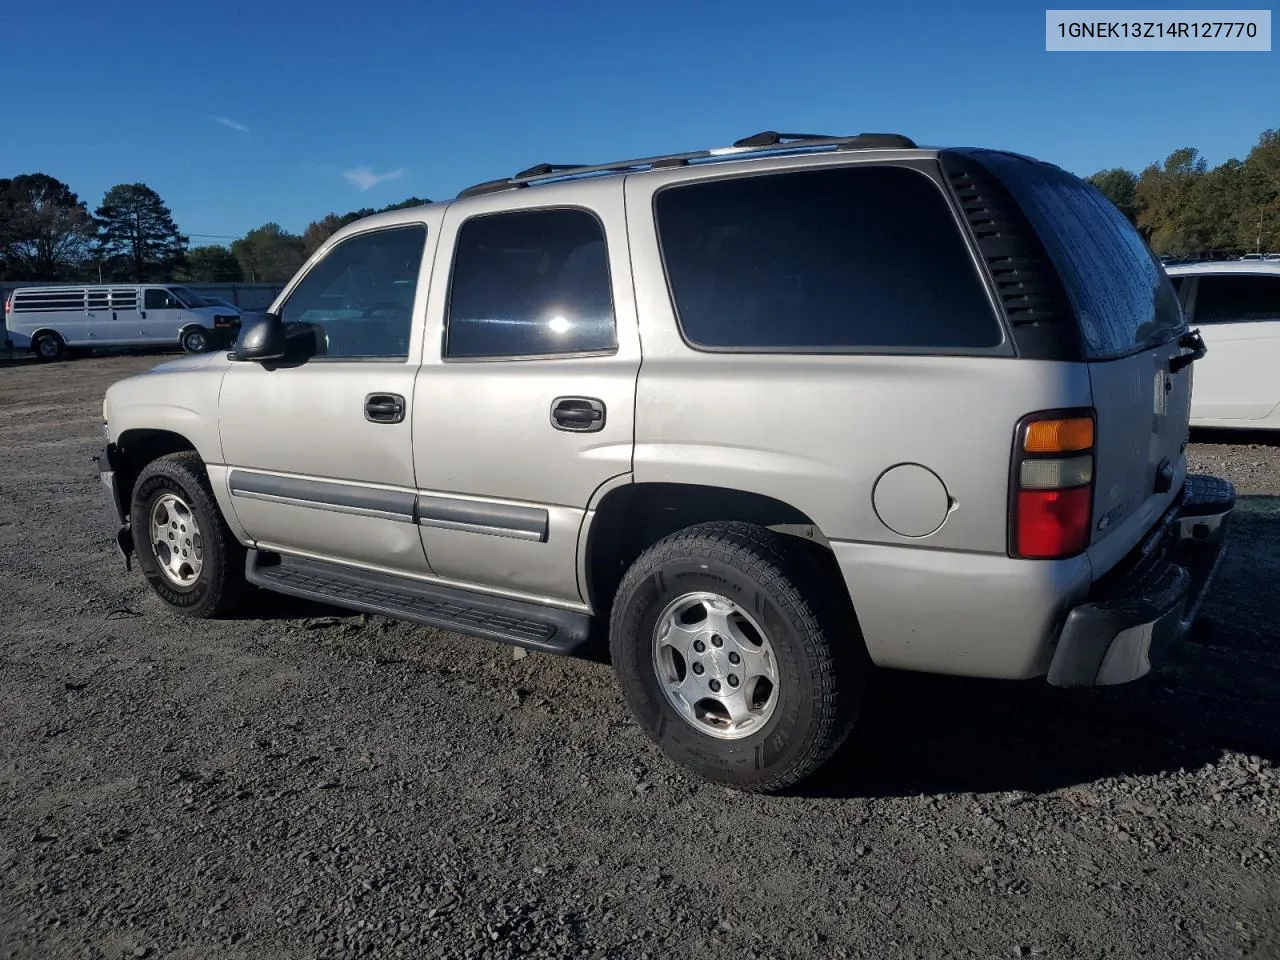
1051,496
8,305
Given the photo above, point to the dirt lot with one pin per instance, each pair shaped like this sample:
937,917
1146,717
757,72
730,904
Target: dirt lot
317,784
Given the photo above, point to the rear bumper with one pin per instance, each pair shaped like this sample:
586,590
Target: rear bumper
1135,612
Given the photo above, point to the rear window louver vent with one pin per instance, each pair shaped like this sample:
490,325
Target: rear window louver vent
1034,300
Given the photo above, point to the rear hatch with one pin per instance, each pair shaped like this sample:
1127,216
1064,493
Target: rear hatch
1086,288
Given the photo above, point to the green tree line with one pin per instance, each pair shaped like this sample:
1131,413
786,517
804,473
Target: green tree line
1186,208
47,233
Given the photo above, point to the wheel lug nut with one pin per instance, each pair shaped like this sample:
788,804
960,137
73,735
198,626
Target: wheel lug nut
717,642
733,679
699,646
715,686
734,658
697,669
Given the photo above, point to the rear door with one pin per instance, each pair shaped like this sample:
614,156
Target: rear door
98,314
126,316
524,406
1238,314
1129,324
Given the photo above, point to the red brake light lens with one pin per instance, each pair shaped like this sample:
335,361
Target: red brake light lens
1053,523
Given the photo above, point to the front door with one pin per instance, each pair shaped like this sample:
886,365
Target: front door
162,315
1239,317
524,406
319,455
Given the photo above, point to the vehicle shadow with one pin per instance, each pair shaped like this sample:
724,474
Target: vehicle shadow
265,605
1264,438
1217,692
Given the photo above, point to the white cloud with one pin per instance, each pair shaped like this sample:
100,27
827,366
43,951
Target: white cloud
362,178
228,122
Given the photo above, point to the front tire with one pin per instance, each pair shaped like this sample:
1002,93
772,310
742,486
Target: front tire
186,551
195,340
737,656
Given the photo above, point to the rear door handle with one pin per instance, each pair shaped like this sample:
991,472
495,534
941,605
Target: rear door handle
577,414
384,408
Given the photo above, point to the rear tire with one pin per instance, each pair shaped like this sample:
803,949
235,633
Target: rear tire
186,551
772,673
195,340
49,347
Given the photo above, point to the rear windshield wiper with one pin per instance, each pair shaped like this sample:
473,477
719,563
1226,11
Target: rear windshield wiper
1191,340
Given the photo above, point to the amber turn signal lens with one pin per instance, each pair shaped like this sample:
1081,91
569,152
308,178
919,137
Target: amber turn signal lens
1058,436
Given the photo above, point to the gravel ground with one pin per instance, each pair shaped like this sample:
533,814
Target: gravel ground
310,783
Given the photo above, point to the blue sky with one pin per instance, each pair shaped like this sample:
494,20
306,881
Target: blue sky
319,100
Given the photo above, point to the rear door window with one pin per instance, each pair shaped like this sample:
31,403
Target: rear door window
844,259
1237,299
530,283
1119,291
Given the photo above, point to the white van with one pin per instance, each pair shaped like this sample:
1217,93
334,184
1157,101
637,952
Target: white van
50,320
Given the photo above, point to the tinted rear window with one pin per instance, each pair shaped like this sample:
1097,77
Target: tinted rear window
839,259
1118,289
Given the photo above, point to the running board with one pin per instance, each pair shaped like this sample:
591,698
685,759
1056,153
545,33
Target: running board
518,622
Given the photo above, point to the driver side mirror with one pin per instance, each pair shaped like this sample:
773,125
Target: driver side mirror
262,337
265,338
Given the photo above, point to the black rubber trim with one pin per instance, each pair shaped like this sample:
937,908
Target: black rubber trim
1042,321
324,495
117,511
518,622
498,519
1206,496
108,467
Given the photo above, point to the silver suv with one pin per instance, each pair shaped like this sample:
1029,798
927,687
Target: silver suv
774,415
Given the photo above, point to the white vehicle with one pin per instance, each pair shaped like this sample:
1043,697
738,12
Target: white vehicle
50,320
1236,306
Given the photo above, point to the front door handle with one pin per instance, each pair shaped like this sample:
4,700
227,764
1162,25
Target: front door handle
577,414
384,408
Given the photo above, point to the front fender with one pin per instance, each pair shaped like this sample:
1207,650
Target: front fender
179,397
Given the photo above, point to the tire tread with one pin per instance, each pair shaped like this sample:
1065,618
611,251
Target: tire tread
779,567
187,470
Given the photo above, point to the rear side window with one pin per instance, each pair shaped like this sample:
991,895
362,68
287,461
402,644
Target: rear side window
124,299
530,283
845,259
1239,299
48,301
1118,290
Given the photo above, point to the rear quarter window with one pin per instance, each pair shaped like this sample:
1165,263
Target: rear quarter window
1121,296
845,259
